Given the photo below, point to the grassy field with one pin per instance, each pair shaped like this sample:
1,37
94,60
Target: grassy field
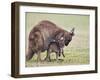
77,52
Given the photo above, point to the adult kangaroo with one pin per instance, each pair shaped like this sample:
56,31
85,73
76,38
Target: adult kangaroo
42,34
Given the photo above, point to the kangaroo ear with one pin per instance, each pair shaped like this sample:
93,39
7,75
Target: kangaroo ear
72,31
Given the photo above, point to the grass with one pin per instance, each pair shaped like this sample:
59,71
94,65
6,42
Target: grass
72,57
77,52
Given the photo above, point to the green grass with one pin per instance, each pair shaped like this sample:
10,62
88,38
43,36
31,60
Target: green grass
72,57
77,52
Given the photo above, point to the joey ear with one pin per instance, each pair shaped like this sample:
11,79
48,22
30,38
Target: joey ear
62,38
72,31
60,35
